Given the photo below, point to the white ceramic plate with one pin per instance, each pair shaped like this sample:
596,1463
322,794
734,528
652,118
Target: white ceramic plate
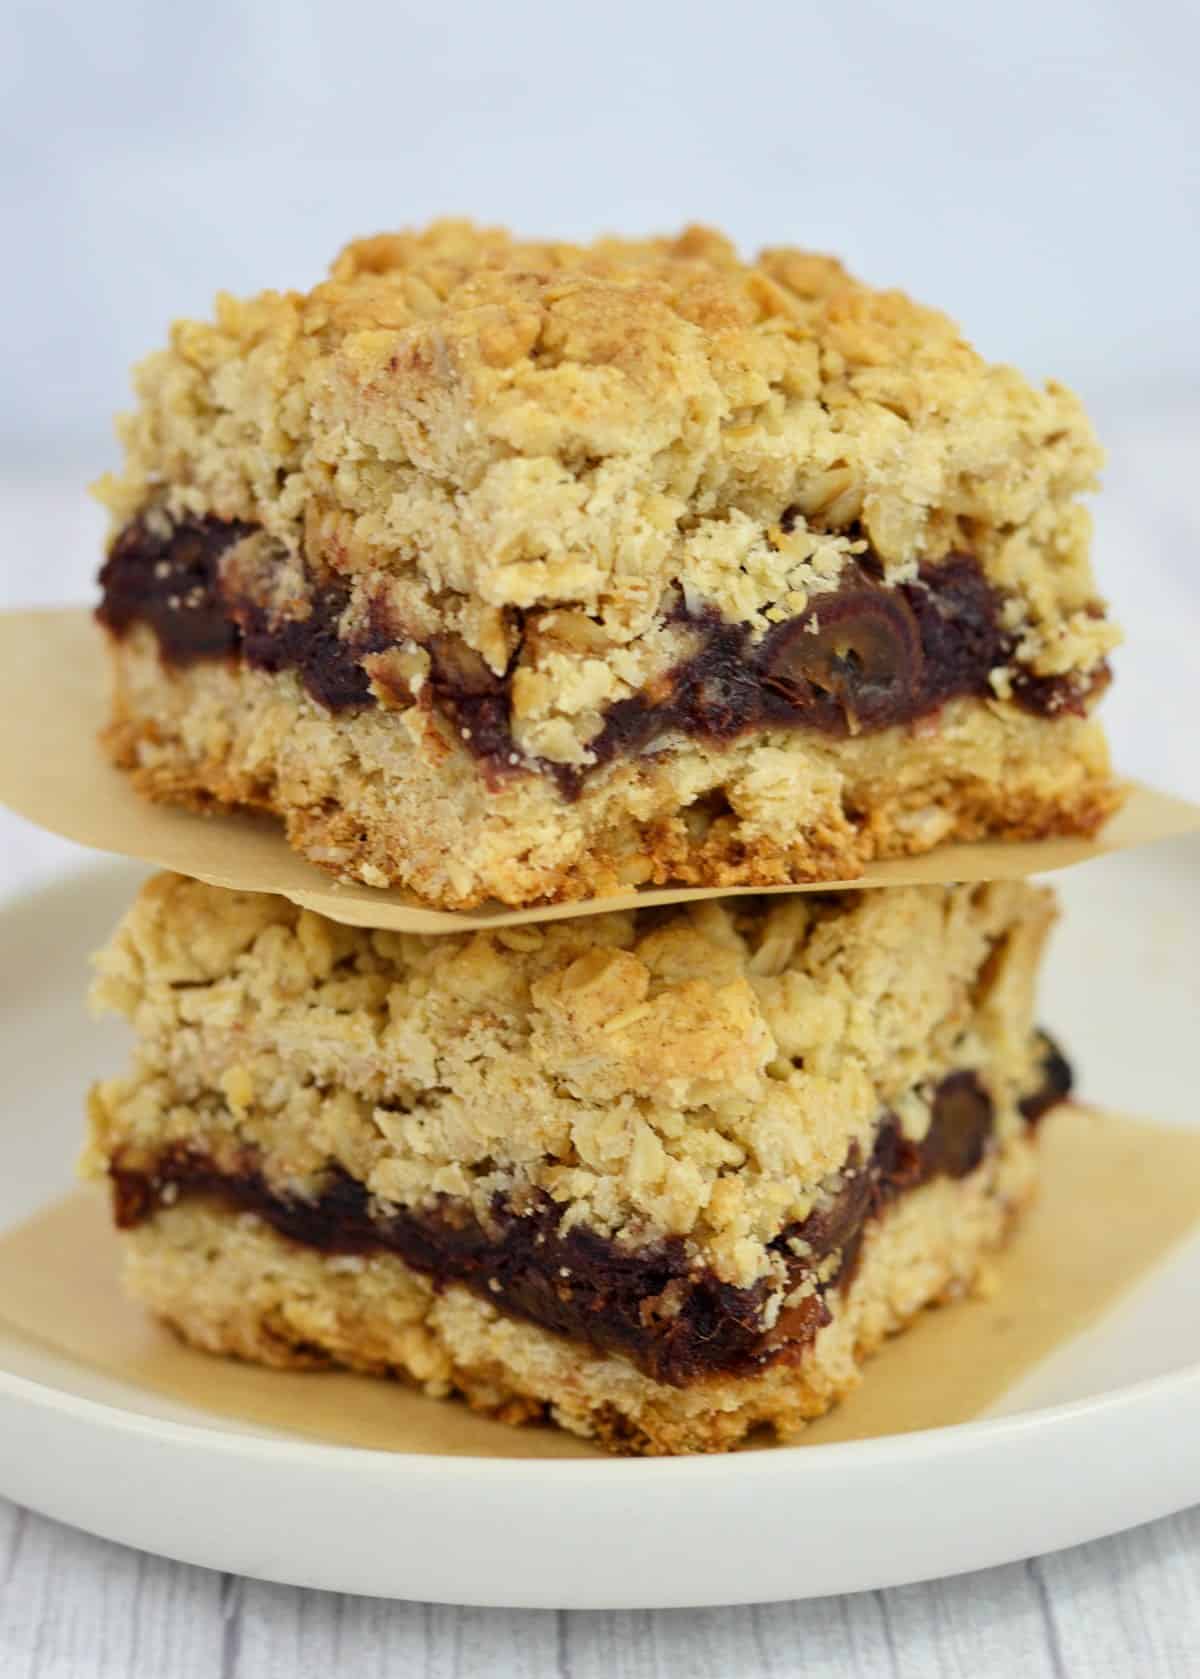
1104,1434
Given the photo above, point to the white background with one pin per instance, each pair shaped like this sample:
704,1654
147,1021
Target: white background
1031,167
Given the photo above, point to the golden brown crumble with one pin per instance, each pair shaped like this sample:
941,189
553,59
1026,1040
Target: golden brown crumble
467,426
699,1071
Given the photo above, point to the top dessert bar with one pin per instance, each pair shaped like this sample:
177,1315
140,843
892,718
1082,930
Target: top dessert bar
534,571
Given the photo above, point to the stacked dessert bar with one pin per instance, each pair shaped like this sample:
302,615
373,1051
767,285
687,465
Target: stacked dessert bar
529,572
536,573
666,1175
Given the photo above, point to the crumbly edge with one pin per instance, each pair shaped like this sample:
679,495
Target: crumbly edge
228,1284
387,798
482,431
700,1072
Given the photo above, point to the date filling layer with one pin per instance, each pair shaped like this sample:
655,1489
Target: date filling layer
653,1304
861,658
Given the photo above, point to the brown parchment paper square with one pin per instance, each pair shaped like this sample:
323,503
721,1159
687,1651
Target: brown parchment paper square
53,692
1116,1195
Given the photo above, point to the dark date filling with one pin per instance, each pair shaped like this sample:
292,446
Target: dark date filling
861,658
652,1304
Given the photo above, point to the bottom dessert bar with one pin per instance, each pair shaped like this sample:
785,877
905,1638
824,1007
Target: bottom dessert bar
661,1176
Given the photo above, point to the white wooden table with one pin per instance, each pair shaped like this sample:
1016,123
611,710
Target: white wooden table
74,1607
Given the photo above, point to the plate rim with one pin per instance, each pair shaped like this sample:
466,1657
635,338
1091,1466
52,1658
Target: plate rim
875,1452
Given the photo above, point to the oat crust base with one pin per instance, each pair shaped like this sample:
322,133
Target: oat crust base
388,799
228,1284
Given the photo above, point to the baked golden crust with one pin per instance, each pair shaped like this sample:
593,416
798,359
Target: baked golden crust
391,799
698,1073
